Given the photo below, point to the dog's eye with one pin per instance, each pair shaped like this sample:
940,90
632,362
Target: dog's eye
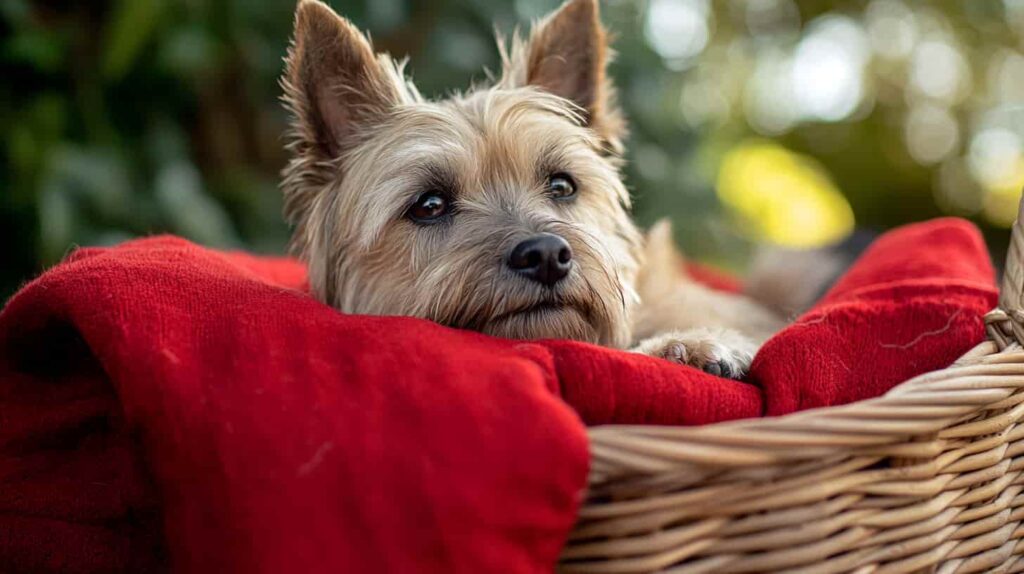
429,207
561,186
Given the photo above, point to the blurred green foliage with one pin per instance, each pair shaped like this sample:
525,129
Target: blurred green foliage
128,117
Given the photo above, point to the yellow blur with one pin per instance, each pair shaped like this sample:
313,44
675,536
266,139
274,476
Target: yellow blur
785,197
1002,194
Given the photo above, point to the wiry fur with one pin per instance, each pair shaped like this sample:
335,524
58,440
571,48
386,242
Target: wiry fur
365,145
576,70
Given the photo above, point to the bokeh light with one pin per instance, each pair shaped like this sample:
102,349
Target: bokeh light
769,97
997,162
891,27
678,29
768,19
939,71
1006,76
785,197
828,68
931,133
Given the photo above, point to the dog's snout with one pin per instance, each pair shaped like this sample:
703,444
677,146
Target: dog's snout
545,258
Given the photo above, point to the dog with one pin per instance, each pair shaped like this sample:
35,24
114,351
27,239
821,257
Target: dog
501,209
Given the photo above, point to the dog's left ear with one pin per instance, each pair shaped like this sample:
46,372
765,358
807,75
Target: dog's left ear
567,54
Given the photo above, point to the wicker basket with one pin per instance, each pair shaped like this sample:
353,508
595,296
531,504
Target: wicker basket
929,477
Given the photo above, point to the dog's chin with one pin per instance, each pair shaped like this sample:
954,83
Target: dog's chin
544,322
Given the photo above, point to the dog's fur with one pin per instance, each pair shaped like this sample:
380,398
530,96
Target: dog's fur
365,145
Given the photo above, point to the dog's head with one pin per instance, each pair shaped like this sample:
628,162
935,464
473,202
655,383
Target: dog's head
500,210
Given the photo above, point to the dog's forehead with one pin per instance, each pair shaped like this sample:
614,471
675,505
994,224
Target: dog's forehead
491,132
495,111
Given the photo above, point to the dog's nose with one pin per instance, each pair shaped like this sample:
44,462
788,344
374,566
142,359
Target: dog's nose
546,258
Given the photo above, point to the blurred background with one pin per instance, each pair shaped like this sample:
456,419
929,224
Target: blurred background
753,121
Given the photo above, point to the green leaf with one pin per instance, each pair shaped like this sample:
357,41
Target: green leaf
99,178
41,49
133,23
57,214
190,211
189,51
15,12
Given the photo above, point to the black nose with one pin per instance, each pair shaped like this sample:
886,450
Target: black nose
546,258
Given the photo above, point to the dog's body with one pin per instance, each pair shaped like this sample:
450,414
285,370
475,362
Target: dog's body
500,210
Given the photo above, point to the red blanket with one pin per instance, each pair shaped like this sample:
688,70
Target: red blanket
165,404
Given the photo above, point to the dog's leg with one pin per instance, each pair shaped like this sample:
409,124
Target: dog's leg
718,351
694,325
683,321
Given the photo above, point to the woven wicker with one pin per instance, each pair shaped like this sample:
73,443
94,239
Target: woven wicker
929,477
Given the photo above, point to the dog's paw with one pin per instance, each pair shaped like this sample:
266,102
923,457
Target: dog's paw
720,352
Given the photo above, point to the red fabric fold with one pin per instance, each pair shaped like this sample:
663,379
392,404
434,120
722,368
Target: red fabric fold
912,303
276,435
165,406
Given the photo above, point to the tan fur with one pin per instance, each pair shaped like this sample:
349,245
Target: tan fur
365,145
673,301
567,54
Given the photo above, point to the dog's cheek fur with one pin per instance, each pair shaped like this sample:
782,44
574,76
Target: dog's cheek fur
608,249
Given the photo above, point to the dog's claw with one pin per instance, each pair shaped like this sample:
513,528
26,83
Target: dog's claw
719,368
721,353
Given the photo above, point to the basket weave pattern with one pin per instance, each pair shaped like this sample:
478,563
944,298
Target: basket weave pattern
929,477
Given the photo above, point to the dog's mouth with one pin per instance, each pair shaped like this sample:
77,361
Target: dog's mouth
549,319
539,309
561,318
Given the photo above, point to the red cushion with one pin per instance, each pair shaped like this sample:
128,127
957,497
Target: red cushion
162,403
911,304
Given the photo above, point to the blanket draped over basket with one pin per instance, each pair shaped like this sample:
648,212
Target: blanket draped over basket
163,405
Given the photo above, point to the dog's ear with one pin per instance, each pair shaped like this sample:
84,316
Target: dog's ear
664,265
334,83
567,54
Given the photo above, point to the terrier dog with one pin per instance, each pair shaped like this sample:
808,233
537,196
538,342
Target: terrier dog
500,209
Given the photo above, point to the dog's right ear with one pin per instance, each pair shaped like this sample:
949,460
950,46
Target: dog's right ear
567,55
335,86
